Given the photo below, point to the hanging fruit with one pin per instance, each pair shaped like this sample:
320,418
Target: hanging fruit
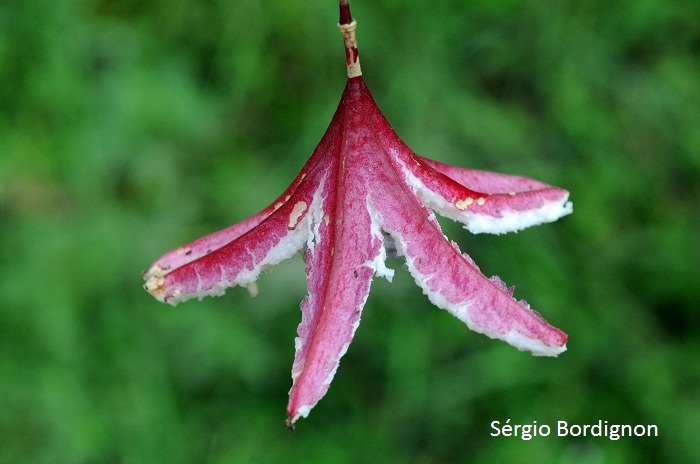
361,189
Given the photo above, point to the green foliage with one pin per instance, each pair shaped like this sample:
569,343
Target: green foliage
130,127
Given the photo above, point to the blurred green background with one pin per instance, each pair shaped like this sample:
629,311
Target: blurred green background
130,127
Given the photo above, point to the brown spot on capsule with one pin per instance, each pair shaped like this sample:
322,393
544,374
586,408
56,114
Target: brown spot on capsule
298,210
464,204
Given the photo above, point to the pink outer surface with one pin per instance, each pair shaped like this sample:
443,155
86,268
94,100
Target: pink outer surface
360,181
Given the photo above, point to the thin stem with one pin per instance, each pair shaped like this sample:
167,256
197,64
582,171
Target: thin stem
345,16
347,27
